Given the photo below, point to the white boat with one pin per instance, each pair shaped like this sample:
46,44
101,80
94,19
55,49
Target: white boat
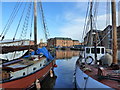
90,75
94,72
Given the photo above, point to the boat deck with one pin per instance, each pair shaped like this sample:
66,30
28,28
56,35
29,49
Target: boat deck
15,66
109,77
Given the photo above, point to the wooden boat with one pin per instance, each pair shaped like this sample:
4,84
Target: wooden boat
29,67
93,72
23,74
90,75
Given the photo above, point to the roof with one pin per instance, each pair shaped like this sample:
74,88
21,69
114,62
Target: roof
76,40
62,38
109,26
94,47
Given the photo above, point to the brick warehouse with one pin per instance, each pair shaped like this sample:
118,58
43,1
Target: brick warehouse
62,42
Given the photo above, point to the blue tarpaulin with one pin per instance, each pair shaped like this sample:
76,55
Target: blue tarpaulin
44,51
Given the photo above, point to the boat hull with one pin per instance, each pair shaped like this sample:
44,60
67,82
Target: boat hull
83,81
26,81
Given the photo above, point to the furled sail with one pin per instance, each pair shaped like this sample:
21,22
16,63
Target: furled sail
10,50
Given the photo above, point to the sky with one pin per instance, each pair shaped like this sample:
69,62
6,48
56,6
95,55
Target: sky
63,19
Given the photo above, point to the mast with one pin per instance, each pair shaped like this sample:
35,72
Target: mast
113,6
35,23
91,27
91,33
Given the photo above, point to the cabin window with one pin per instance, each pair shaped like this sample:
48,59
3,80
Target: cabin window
87,50
23,73
98,50
92,50
102,50
34,68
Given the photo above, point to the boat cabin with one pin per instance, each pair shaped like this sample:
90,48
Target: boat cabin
90,52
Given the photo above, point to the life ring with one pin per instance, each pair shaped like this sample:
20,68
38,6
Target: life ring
90,61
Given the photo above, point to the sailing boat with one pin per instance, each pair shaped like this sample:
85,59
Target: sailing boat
90,73
24,71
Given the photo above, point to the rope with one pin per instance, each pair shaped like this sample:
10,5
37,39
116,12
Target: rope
23,25
87,28
26,23
31,29
107,13
85,22
46,32
11,21
31,25
107,20
19,22
13,12
104,37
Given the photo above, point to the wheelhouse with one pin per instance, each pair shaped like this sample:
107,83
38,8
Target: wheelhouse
90,51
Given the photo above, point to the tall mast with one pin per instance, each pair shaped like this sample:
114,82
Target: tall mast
35,23
90,37
114,31
91,26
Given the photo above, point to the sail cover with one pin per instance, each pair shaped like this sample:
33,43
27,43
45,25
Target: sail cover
44,51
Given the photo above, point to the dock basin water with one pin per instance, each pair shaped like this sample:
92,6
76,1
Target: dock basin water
63,73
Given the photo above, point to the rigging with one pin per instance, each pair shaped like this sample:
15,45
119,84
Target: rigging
19,22
11,16
26,23
11,20
46,32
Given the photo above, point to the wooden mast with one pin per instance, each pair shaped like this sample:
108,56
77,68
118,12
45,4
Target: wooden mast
114,31
91,32
91,26
35,23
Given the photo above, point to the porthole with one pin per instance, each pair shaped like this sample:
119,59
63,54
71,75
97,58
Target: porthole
34,68
23,73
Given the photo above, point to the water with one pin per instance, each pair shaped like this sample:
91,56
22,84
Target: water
63,73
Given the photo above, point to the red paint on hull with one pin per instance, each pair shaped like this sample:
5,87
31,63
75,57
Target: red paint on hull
28,80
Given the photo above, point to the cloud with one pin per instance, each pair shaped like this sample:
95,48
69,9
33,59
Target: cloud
118,18
75,24
73,31
73,28
101,21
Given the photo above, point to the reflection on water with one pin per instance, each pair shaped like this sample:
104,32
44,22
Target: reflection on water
66,54
49,82
64,72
